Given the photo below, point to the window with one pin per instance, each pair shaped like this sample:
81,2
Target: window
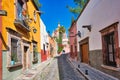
19,9
110,45
110,50
15,51
35,53
44,48
71,50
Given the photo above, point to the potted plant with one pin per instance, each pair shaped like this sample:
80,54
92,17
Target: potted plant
35,54
13,58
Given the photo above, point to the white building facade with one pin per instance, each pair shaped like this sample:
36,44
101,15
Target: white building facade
99,25
44,41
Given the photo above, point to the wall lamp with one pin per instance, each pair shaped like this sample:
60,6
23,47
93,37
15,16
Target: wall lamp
79,34
87,26
34,29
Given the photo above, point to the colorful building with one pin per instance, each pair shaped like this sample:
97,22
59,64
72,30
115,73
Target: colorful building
20,41
65,43
73,40
0,41
99,44
52,47
44,41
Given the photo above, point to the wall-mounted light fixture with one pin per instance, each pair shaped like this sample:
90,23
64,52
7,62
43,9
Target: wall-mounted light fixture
34,29
87,26
79,34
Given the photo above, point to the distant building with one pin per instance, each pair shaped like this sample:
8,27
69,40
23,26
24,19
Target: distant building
73,40
65,43
52,47
99,45
44,41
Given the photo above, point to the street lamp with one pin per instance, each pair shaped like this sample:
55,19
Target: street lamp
79,34
87,26
34,29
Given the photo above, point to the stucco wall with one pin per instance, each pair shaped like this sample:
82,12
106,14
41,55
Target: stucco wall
8,75
44,34
99,14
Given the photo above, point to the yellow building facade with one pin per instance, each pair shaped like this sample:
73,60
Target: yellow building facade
20,37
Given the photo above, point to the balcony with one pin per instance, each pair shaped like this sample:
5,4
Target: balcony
22,24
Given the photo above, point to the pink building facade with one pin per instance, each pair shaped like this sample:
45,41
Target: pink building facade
73,41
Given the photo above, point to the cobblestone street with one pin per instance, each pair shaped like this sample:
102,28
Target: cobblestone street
59,69
50,72
67,71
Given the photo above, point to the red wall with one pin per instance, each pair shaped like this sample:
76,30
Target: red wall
73,40
43,55
0,43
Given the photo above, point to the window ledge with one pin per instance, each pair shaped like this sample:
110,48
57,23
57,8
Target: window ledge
110,67
14,66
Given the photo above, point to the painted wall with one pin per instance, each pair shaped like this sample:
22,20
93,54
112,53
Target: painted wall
99,14
52,47
0,42
9,75
8,22
65,43
35,24
44,40
73,39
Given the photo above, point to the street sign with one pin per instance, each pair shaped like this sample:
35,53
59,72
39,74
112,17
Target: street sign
3,13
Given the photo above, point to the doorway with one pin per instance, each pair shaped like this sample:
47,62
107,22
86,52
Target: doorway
84,50
25,57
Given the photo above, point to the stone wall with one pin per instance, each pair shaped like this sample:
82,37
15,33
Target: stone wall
95,58
96,61
8,74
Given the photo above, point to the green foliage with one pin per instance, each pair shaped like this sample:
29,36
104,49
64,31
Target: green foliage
62,29
14,57
80,4
60,49
59,40
37,3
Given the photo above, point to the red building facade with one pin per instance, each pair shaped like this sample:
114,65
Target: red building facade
73,40
0,42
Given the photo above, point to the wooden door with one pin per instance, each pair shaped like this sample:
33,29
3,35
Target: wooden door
25,57
84,51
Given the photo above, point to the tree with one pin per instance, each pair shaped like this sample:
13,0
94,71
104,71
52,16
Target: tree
37,3
80,4
61,31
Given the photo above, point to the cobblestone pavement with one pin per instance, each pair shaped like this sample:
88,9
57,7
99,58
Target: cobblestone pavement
67,71
50,72
91,73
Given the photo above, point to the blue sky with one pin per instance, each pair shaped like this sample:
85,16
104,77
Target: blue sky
55,11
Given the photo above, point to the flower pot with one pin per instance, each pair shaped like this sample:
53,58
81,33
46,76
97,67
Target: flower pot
12,62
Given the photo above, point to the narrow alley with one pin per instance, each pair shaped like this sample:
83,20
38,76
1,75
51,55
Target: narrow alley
59,69
59,39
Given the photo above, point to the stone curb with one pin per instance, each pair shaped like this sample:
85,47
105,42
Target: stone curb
87,77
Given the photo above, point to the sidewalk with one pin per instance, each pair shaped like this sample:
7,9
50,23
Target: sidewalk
32,73
89,72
